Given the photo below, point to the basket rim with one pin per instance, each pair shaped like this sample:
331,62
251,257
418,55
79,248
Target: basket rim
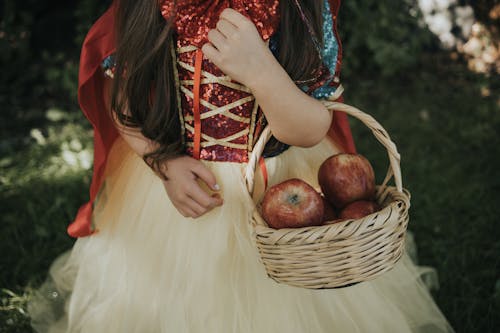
380,134
385,218
392,191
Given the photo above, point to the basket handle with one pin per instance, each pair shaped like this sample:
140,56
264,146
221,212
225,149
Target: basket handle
378,131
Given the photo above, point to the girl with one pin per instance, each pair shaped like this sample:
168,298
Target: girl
178,97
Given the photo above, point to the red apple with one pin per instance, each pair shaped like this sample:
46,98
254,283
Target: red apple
329,213
292,204
359,209
345,178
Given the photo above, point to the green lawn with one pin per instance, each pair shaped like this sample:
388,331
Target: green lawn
448,135
449,139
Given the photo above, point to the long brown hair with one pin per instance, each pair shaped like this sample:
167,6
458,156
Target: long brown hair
145,65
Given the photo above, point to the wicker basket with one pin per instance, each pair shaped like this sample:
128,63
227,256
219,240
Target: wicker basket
344,253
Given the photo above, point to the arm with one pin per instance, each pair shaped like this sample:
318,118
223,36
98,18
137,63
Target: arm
237,48
183,172
295,118
133,136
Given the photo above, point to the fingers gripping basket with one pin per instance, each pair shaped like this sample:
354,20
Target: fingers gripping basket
344,253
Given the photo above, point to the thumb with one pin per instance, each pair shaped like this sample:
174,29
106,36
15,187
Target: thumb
202,172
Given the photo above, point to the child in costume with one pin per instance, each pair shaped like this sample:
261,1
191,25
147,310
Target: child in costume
164,244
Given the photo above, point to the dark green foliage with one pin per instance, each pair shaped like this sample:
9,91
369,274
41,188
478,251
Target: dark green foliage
482,9
40,45
381,37
39,194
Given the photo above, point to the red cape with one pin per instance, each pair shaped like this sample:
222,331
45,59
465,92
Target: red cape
99,44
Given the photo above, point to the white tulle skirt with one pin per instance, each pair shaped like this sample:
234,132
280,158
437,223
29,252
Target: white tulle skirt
149,269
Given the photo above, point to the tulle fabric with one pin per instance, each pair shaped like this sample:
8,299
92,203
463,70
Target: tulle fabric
149,269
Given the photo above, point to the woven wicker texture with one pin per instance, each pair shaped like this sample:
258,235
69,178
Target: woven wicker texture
344,253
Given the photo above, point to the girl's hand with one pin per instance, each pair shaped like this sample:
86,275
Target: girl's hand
183,189
237,48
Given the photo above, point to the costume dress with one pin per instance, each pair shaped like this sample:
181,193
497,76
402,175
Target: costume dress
149,269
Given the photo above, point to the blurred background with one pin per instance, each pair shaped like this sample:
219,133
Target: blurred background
428,70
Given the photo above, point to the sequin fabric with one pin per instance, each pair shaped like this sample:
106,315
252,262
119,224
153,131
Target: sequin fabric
192,20
219,126
330,53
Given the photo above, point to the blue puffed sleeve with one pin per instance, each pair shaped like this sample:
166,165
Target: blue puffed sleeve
330,54
108,66
327,83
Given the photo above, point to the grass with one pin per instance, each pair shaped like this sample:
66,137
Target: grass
447,134
43,179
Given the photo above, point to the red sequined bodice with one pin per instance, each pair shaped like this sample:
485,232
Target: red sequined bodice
230,118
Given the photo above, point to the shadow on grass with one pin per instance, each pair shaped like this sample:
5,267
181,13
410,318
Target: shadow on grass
34,220
44,177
